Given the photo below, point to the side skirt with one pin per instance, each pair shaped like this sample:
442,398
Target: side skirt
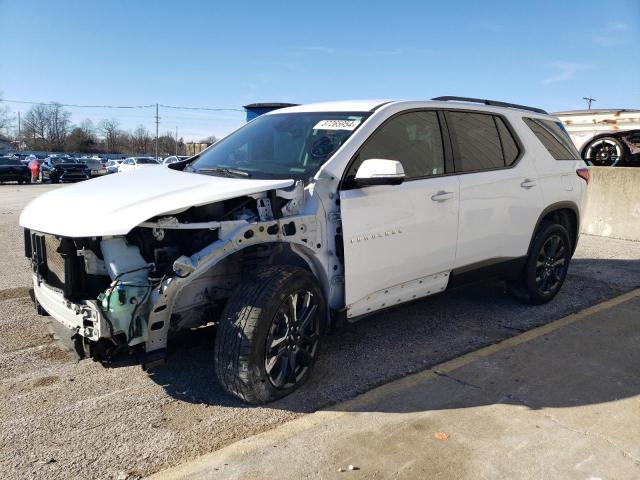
492,269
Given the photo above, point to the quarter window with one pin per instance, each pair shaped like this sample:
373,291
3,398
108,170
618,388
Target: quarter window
475,140
413,138
554,138
509,145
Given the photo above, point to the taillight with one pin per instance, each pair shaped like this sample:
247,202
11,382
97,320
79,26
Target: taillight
583,173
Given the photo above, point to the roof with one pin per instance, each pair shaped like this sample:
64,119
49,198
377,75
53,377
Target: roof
370,105
341,106
595,111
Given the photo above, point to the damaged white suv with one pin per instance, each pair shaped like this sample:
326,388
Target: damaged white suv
304,219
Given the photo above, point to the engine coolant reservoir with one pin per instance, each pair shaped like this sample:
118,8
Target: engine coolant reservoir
125,302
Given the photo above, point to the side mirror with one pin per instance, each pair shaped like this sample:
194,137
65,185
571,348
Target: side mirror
377,171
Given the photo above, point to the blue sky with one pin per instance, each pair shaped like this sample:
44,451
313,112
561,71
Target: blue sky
226,54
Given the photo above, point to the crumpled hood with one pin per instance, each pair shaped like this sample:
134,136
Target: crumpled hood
114,204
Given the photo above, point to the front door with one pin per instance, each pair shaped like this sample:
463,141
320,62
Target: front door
400,241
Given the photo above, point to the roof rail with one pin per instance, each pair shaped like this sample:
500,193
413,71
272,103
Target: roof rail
493,103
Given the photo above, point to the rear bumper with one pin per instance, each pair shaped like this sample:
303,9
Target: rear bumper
84,318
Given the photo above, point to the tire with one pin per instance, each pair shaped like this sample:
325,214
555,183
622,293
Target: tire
605,152
546,267
256,343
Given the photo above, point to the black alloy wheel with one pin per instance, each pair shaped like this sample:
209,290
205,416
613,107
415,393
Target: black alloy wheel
268,335
546,267
292,342
551,264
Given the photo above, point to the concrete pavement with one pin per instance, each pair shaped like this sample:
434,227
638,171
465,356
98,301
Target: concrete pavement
559,401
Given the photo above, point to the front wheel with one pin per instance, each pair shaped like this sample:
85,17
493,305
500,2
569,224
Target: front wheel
268,337
605,152
546,267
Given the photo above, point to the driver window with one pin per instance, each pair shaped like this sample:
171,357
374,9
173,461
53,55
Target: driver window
413,138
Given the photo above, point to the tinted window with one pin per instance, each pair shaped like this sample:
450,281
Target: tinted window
509,146
554,138
476,143
413,139
9,161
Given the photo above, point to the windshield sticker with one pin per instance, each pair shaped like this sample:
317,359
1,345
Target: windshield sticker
336,125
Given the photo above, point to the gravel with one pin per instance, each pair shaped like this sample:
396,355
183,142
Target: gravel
60,418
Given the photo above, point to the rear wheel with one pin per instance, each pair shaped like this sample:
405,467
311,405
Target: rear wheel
546,267
605,152
268,338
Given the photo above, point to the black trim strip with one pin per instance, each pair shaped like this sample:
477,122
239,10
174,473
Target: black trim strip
493,268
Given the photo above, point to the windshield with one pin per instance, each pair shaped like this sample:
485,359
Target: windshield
282,145
147,161
58,160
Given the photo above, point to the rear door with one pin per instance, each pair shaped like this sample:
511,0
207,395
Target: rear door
400,241
500,195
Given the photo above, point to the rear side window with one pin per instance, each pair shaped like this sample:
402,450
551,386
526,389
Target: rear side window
509,146
554,138
475,140
413,138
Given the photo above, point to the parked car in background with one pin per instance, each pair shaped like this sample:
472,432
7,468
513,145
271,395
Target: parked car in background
95,165
136,163
605,137
13,170
62,169
34,168
112,165
307,218
174,159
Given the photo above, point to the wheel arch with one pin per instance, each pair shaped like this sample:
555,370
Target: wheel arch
566,214
279,253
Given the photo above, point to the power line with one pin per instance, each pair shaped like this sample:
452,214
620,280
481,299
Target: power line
176,107
204,108
75,105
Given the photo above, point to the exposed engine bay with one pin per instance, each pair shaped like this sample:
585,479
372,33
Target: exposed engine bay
125,294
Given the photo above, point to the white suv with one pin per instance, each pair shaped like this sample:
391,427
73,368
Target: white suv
304,219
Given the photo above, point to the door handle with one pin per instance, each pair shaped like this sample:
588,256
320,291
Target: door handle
528,183
442,196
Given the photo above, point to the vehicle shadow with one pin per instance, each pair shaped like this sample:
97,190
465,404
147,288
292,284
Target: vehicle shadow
418,336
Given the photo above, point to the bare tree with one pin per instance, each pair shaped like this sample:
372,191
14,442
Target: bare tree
211,139
6,119
87,128
58,125
109,129
140,140
35,125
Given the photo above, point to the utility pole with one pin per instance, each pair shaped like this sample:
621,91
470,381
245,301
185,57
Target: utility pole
157,125
19,132
589,100
176,141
